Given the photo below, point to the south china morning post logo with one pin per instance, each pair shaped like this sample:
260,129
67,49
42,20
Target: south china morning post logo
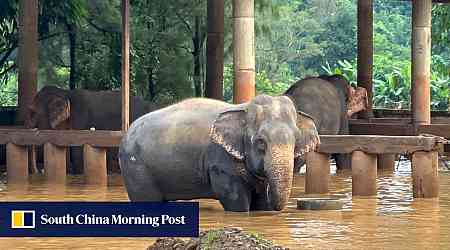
99,219
21,219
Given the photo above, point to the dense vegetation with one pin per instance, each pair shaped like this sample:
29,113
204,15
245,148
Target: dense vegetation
80,46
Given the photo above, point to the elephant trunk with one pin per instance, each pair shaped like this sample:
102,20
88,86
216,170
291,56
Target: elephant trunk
279,172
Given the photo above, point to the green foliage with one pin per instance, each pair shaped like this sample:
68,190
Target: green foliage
294,39
8,93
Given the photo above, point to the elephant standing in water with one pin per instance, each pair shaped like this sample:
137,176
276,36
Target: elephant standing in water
331,101
242,155
55,108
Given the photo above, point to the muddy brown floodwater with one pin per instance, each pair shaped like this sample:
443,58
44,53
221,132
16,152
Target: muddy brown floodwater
392,220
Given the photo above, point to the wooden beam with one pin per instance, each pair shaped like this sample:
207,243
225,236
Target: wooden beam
243,50
394,120
425,175
317,173
61,137
364,174
125,65
95,170
365,52
398,129
374,144
391,129
436,129
215,49
421,62
27,56
55,163
16,163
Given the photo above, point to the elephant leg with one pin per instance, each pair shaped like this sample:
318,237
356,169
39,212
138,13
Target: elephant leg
343,161
139,182
232,193
112,160
260,202
76,158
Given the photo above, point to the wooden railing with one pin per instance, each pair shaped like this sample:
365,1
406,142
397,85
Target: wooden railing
364,150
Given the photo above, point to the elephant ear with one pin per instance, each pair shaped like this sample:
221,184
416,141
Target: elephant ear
308,138
228,131
58,110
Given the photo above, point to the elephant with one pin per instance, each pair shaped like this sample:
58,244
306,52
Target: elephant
241,155
56,108
331,101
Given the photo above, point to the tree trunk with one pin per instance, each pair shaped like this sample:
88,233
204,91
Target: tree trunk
197,40
28,55
215,50
151,85
72,51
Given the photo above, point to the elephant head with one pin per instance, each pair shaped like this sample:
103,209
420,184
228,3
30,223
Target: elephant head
266,134
50,109
356,99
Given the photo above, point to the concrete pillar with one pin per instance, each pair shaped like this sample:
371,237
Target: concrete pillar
16,163
425,175
215,50
317,173
364,174
55,163
365,52
243,50
421,62
95,169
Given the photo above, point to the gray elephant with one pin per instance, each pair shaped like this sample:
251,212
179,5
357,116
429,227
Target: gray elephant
331,101
242,155
55,108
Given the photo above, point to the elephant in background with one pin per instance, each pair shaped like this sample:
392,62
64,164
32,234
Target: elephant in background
242,155
331,100
55,108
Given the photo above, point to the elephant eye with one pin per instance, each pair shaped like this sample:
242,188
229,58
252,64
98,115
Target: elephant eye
261,146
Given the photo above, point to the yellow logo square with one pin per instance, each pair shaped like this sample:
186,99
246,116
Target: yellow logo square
22,219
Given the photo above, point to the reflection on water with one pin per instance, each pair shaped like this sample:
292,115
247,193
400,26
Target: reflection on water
391,221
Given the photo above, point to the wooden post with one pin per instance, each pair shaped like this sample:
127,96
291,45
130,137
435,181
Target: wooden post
215,50
27,55
125,65
317,173
95,165
425,174
244,50
365,52
421,62
364,174
55,163
386,162
16,163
